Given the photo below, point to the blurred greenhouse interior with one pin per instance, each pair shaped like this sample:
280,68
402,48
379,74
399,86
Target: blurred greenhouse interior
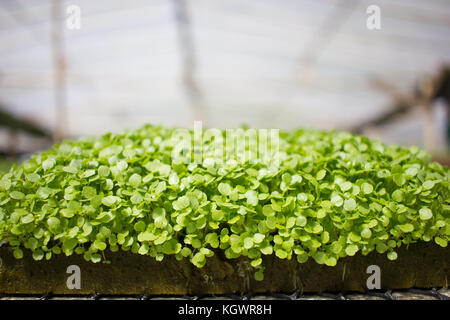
86,67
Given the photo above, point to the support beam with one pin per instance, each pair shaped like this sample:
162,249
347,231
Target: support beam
59,60
187,49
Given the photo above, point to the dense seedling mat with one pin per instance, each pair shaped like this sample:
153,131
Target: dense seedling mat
331,196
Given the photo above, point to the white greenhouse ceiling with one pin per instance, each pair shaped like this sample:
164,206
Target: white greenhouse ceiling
266,63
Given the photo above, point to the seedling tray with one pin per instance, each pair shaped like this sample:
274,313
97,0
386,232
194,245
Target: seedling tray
421,265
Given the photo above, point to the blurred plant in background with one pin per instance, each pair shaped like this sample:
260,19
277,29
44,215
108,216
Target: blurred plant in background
83,68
